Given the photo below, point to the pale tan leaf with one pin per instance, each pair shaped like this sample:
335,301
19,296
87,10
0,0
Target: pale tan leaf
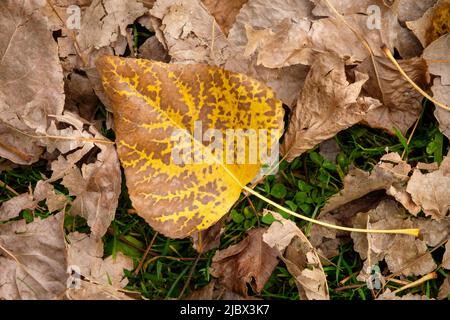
328,104
300,257
12,207
446,257
33,259
29,65
444,290
224,12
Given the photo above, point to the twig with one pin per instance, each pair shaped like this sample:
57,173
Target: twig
186,284
141,262
425,278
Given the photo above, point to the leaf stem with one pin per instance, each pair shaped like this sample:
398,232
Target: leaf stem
412,232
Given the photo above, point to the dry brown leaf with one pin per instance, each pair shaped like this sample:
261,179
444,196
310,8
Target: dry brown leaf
430,190
33,259
104,24
249,262
446,257
402,253
433,24
80,97
328,104
97,188
389,295
346,7
444,290
28,65
300,257
103,278
409,10
224,12
437,55
208,239
401,103
12,207
190,32
152,49
214,291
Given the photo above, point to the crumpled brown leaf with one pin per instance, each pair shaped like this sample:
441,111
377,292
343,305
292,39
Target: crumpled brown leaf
401,103
403,253
437,55
250,261
446,257
29,65
444,290
328,104
103,278
224,12
33,259
300,257
208,239
431,25
430,190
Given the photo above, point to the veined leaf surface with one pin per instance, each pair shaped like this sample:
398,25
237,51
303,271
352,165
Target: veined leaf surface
151,102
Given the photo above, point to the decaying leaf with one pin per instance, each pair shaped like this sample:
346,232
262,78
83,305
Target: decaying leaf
389,295
444,290
208,239
224,12
401,103
29,65
249,262
402,253
433,23
102,278
430,190
33,259
446,257
152,102
328,104
299,256
437,55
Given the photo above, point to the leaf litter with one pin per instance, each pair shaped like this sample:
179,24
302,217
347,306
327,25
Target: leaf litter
322,59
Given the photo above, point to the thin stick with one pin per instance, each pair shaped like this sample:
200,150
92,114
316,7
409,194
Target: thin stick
141,262
411,82
191,272
7,187
425,278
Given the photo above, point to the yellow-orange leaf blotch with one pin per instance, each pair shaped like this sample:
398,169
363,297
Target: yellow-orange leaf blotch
151,102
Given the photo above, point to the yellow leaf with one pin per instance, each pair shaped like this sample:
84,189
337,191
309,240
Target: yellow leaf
152,103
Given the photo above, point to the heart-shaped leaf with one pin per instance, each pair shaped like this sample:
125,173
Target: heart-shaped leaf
179,179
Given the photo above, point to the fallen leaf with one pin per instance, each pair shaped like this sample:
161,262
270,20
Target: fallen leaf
433,23
214,291
33,259
446,257
300,257
409,10
178,197
249,262
152,49
208,239
12,207
444,290
103,278
402,253
328,104
29,65
430,190
389,295
401,103
224,12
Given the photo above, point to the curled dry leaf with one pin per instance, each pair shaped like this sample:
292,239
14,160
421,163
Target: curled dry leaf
300,257
401,103
28,65
444,290
33,259
249,262
224,12
328,104
437,55
153,104
402,253
12,207
430,190
103,278
433,23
